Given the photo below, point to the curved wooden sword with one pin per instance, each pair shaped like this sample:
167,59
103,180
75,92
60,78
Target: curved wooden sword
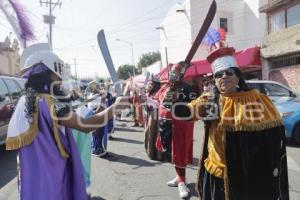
205,26
108,61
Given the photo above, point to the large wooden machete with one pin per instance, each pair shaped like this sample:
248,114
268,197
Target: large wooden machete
204,28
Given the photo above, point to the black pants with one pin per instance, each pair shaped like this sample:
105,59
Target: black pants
213,187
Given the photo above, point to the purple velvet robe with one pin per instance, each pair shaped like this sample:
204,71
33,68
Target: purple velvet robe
45,174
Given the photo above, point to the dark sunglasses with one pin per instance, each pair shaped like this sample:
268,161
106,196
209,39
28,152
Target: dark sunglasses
228,72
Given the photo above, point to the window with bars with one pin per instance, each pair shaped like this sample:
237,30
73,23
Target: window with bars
286,61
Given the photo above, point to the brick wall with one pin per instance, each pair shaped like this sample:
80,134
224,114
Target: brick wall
289,76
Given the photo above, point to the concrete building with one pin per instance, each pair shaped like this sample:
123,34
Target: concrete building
281,54
244,23
9,57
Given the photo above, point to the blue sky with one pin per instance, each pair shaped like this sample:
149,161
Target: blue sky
78,21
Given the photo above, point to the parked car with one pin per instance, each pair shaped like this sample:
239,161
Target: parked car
290,113
287,103
11,89
276,91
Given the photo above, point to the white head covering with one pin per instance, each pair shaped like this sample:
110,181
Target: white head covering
41,53
222,59
223,63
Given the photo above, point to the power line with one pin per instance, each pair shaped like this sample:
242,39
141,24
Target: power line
125,27
134,37
130,24
113,32
35,15
144,14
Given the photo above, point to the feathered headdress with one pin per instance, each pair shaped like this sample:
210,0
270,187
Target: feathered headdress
214,39
15,14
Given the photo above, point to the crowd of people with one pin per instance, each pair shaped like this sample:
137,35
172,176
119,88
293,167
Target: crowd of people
56,131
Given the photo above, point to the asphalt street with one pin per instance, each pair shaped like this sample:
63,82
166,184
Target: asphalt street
128,174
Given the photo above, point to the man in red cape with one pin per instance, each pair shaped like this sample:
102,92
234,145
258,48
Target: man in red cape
175,132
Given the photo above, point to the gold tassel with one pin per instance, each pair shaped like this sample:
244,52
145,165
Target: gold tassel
60,147
26,138
252,127
248,111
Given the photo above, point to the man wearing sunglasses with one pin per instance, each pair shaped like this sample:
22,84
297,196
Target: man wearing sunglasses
244,153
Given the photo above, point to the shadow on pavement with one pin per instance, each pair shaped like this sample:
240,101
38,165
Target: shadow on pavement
193,192
96,198
292,144
124,120
8,166
127,140
127,129
195,162
138,162
149,196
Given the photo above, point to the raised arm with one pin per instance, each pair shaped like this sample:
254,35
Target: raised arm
198,107
72,120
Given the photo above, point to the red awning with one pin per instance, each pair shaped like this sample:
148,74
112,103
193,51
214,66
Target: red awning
163,74
248,58
136,81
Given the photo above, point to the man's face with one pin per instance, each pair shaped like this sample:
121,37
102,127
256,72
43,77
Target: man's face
100,88
226,81
149,87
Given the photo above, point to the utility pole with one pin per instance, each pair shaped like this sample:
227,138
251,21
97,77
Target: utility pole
166,53
166,39
50,19
132,57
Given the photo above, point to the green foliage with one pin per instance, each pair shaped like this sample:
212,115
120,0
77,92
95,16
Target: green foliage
148,59
124,71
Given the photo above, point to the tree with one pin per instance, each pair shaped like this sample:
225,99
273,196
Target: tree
148,59
124,71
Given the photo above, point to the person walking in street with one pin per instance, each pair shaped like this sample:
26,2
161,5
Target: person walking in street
243,153
176,133
50,166
99,136
110,99
137,108
83,142
151,119
103,133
